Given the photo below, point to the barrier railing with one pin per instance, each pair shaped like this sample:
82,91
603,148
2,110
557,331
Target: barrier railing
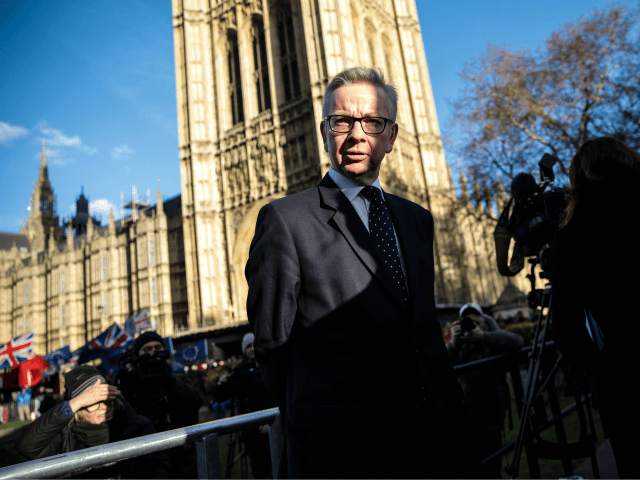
206,437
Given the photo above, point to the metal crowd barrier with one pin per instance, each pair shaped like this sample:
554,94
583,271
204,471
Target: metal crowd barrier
206,437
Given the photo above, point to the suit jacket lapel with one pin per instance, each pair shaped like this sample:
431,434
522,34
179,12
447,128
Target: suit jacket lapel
350,225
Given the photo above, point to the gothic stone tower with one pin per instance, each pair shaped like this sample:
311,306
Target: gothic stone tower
43,221
250,76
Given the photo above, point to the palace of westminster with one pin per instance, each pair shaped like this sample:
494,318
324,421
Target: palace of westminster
250,76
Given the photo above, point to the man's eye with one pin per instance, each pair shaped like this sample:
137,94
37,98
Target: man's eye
374,122
341,121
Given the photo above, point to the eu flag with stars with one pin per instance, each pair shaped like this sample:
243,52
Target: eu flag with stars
193,353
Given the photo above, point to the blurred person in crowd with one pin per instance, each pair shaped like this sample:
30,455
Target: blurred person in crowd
595,265
246,386
168,399
24,404
48,402
475,336
93,413
341,295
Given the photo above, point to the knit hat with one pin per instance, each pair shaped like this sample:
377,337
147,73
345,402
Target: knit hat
247,340
472,306
146,337
79,379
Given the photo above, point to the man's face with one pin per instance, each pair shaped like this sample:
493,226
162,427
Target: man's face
250,352
150,348
358,155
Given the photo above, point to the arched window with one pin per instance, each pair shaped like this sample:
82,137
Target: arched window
261,70
235,84
288,57
26,323
26,293
62,315
104,266
62,282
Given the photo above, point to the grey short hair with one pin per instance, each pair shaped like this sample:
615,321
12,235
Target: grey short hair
366,75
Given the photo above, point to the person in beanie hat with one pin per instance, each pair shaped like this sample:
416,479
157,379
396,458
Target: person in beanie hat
475,336
247,340
93,413
147,343
166,398
245,384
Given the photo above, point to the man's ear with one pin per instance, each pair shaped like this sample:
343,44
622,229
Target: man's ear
324,136
392,137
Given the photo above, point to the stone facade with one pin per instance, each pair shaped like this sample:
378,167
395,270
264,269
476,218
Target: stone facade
70,288
250,76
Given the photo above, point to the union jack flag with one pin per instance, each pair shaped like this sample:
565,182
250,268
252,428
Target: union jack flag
137,323
17,351
112,338
109,342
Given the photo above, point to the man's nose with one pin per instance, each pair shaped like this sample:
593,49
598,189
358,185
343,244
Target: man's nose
357,133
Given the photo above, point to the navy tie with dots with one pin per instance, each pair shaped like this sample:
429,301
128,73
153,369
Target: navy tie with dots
381,231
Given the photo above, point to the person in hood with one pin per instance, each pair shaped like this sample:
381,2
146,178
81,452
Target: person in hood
93,414
473,337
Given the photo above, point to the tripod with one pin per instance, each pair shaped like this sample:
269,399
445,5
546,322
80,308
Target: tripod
535,388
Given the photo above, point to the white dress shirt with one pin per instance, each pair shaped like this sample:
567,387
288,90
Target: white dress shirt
361,204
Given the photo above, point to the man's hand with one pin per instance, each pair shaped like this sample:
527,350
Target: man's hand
98,392
456,330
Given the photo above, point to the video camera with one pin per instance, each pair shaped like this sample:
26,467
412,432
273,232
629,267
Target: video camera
147,367
536,215
467,324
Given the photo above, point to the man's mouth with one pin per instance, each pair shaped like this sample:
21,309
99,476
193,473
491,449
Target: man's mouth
355,155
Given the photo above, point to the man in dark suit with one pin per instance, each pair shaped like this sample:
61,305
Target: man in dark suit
341,302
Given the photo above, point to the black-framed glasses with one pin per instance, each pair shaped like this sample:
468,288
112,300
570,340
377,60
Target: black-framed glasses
344,124
100,405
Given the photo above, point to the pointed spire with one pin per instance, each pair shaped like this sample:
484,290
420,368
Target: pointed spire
44,173
89,225
69,237
52,241
159,204
112,223
464,187
477,196
501,196
487,196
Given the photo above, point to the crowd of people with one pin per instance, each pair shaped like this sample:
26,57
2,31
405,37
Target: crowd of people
345,337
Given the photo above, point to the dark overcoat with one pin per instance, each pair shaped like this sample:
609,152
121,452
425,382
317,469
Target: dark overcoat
363,380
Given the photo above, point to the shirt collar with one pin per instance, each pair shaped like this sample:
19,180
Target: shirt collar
350,188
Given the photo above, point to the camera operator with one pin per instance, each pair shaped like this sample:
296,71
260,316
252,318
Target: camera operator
596,262
245,384
169,400
473,337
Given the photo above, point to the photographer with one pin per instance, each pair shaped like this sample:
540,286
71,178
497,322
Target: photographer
245,385
169,400
476,336
595,262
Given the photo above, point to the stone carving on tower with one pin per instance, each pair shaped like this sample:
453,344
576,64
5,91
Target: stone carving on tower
250,77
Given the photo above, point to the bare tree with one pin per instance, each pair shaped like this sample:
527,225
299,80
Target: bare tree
518,105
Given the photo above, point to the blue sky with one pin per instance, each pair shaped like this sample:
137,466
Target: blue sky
96,80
